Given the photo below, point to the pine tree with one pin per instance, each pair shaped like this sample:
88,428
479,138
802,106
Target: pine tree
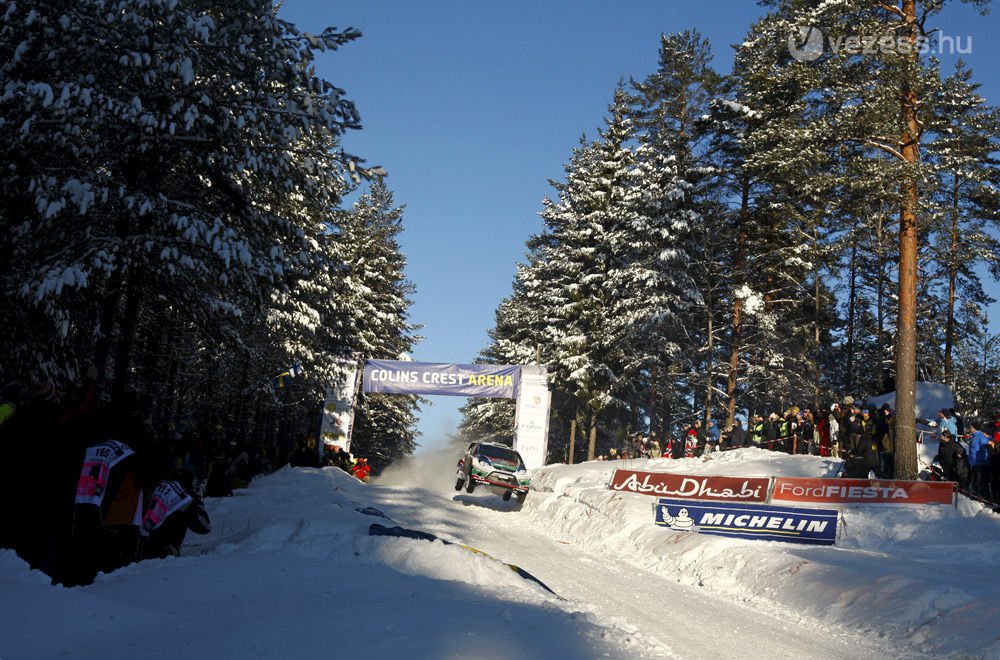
372,311
965,133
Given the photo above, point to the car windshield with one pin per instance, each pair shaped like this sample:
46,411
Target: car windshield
500,454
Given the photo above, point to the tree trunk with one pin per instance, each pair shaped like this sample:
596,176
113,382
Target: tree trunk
851,313
817,373
949,328
653,409
127,328
572,438
736,327
906,346
710,364
592,447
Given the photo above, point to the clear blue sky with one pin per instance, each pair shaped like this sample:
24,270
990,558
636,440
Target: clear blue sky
472,106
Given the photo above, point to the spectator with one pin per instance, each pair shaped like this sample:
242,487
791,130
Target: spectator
173,508
993,461
362,470
712,437
885,435
947,423
833,422
946,456
844,414
337,457
303,456
854,428
691,441
787,429
959,423
116,471
737,435
771,431
979,461
757,430
654,447
807,434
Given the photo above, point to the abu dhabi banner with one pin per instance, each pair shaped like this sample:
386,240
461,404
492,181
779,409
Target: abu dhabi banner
689,486
428,378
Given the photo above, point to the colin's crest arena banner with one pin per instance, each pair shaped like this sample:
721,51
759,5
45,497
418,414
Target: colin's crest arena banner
398,377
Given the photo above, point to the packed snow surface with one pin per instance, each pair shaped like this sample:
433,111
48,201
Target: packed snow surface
290,571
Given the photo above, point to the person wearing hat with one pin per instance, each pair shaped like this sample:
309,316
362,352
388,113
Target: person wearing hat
771,431
854,429
757,430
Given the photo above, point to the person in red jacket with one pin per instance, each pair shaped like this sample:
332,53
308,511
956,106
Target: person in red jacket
361,469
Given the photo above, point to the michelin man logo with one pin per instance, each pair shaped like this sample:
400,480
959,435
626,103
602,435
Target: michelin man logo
682,521
807,45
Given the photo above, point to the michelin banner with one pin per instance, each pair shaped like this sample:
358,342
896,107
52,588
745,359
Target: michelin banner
749,521
485,380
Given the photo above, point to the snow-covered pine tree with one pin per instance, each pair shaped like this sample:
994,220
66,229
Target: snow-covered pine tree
964,140
693,246
371,312
767,177
880,66
166,165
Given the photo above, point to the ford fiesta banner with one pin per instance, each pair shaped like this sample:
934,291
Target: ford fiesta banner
862,491
700,487
749,521
396,377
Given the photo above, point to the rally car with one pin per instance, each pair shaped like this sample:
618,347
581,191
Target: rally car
496,466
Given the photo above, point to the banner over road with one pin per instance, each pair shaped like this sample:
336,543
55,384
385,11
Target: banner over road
497,381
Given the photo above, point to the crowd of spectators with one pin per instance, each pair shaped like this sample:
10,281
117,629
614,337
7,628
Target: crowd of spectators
862,436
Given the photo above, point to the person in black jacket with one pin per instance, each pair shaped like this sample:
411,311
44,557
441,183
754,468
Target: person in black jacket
736,436
172,509
771,431
947,456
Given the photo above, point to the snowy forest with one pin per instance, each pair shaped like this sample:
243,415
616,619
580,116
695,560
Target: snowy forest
185,226
734,242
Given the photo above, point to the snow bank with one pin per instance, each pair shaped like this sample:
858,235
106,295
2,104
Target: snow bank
921,575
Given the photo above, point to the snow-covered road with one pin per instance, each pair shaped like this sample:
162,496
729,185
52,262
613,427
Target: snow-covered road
291,570
652,615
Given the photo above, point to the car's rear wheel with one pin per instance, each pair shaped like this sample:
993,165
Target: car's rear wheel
460,483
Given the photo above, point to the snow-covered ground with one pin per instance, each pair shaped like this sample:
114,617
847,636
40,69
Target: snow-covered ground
291,571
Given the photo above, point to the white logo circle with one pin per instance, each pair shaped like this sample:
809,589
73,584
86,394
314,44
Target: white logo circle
807,45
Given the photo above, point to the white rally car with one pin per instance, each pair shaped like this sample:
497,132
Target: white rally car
495,466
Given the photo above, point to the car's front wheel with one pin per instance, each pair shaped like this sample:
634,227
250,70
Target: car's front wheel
459,483
470,485
506,495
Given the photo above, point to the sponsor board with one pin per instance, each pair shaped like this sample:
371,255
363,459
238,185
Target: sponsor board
403,377
749,521
715,489
861,491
